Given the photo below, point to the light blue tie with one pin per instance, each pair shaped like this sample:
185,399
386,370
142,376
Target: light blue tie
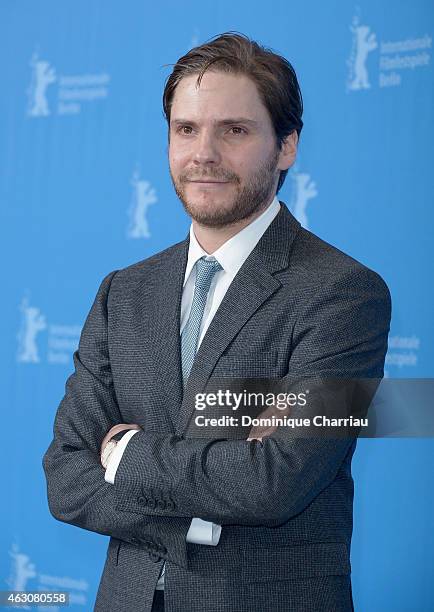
205,271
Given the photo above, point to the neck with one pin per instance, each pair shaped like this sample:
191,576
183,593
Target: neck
212,238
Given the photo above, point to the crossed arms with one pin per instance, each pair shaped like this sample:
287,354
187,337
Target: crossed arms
222,481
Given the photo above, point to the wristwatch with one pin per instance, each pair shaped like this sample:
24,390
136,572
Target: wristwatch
107,451
111,439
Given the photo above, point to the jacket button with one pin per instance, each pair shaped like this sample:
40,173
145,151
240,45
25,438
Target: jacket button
151,503
170,505
161,504
142,500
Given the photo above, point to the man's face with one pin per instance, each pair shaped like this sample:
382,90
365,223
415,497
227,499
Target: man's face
223,154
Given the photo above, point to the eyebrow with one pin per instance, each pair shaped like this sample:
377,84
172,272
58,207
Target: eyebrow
229,121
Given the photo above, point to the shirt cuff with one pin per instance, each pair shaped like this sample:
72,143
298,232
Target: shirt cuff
203,532
116,456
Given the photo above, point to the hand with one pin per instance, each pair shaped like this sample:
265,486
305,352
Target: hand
108,445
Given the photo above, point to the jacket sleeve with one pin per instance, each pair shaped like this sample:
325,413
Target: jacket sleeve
76,489
199,533
341,332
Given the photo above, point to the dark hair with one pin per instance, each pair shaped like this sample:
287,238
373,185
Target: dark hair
272,74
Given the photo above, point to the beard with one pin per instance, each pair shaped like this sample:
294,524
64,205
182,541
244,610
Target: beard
249,198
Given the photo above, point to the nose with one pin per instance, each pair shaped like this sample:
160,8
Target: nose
206,149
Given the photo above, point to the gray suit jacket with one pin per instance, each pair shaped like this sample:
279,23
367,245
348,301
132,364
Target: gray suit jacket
298,306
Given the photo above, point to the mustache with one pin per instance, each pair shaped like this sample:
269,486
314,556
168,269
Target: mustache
218,176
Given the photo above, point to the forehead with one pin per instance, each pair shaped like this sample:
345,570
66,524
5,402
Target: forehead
218,96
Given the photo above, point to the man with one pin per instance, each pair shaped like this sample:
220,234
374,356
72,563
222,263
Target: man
262,522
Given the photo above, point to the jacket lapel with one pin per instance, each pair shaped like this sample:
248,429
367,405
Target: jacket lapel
158,308
160,297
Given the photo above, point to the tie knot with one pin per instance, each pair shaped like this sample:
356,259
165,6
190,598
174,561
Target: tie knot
205,270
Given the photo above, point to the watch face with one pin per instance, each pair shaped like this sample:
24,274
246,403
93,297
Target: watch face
108,449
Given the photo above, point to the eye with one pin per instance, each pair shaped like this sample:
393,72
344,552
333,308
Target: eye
185,129
238,130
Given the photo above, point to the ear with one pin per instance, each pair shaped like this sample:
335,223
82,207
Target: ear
288,151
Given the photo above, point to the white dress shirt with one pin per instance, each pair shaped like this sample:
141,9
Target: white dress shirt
231,256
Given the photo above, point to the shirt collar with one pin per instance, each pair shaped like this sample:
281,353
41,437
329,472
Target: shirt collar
233,253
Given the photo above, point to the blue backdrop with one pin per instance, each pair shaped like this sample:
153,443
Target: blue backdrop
83,162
